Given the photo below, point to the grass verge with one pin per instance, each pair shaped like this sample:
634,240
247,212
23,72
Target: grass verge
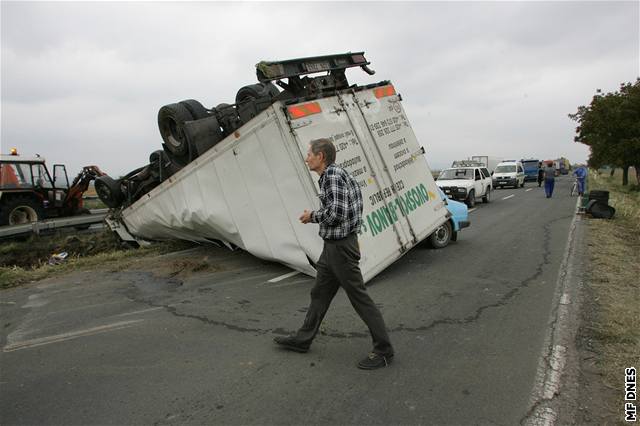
28,261
613,285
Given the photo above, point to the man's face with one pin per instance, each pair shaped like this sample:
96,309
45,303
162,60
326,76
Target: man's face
314,161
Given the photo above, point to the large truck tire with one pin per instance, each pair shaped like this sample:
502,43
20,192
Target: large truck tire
203,134
255,91
109,191
20,211
195,108
171,119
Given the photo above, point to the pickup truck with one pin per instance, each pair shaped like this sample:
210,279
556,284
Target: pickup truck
466,183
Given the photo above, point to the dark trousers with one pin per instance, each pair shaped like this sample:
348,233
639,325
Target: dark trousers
339,267
548,186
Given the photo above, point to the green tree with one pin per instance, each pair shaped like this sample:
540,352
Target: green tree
610,126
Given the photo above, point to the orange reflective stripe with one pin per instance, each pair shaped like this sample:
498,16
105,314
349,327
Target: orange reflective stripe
302,110
383,91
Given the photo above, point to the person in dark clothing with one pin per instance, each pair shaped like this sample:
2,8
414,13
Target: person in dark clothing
340,218
540,174
549,179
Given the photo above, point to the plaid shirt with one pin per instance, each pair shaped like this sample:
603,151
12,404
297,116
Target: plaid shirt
340,212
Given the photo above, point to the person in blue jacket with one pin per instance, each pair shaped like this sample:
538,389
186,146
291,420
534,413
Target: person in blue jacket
581,176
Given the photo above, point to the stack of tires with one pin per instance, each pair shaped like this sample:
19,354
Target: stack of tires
598,205
188,129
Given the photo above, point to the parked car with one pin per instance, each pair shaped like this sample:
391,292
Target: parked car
508,173
448,231
466,182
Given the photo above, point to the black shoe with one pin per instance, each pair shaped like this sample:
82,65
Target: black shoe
291,343
374,361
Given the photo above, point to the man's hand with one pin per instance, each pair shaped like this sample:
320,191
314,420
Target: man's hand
306,216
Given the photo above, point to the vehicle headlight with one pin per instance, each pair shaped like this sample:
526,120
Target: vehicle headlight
461,190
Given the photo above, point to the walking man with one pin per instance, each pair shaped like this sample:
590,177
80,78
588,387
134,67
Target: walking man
339,217
549,179
540,174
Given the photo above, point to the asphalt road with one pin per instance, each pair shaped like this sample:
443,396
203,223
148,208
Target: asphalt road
141,347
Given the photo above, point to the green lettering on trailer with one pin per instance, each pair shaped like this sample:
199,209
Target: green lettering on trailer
380,219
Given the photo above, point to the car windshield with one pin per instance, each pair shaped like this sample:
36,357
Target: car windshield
456,174
505,169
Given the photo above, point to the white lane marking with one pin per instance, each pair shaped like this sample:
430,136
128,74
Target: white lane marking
67,336
530,189
142,311
557,362
508,196
283,277
472,210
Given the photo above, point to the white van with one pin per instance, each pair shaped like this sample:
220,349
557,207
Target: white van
508,173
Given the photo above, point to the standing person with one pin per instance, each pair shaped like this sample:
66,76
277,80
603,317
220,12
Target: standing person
581,175
340,218
540,174
549,179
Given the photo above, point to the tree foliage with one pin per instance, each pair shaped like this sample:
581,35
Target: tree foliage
610,126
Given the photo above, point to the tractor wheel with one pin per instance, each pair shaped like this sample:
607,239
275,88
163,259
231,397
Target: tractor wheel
171,119
20,210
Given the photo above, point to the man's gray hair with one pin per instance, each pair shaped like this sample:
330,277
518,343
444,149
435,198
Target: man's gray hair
326,147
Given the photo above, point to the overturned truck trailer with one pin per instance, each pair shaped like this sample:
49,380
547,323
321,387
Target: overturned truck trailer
249,189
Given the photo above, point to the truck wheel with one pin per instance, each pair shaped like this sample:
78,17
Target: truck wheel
522,184
171,119
487,196
195,108
441,236
255,91
109,191
20,210
471,199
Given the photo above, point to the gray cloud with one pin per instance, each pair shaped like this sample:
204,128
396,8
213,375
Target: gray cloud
82,82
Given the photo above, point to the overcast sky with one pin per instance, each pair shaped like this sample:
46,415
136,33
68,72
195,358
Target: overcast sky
82,82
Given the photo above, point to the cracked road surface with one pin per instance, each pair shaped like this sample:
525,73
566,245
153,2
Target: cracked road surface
145,346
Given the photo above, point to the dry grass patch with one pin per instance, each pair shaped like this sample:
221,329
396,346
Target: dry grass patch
614,268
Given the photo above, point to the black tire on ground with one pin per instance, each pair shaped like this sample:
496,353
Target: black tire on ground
471,199
20,210
522,185
196,109
171,119
487,196
441,236
109,191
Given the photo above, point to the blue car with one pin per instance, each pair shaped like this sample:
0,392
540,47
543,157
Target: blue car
458,220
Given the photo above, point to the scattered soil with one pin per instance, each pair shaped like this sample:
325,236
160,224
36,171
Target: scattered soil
37,250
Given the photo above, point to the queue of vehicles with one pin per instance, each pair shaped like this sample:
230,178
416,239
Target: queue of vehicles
474,179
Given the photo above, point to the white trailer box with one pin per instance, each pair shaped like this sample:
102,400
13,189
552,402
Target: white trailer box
251,188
